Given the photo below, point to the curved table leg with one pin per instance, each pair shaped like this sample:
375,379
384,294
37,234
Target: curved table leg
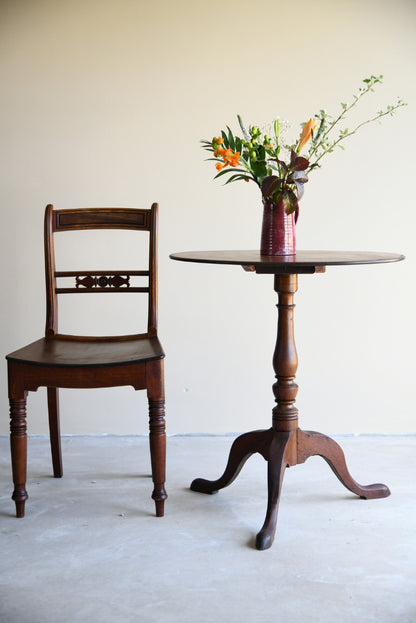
277,463
311,443
243,447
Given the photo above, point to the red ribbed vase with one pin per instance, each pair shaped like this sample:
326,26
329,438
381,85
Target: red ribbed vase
278,232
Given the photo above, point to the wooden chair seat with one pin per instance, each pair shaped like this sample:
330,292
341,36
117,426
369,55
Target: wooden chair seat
88,352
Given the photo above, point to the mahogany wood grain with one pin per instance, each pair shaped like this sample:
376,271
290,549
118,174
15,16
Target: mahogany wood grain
55,431
285,444
302,262
73,361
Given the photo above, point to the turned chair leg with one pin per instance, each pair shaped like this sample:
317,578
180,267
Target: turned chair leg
54,431
157,441
18,447
157,433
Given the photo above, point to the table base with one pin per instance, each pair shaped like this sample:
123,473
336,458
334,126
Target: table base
283,449
285,444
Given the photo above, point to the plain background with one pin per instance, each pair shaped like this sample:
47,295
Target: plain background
104,103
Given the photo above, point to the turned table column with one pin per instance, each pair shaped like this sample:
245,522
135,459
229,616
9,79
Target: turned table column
285,358
283,447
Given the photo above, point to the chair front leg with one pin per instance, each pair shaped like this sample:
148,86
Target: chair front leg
157,432
18,446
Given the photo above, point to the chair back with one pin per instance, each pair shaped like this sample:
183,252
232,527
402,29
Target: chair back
104,281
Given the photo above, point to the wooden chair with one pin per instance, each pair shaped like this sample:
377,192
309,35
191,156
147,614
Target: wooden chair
60,360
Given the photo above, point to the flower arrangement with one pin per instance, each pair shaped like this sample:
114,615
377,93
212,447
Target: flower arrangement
276,166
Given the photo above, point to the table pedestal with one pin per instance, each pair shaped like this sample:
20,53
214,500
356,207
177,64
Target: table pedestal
285,444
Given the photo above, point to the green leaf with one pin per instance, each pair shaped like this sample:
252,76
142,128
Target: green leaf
231,139
276,127
259,169
229,170
234,178
243,129
261,153
225,137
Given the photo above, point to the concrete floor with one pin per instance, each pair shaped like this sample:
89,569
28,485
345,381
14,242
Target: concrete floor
90,548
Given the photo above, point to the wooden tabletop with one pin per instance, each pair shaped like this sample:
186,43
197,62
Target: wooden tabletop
302,262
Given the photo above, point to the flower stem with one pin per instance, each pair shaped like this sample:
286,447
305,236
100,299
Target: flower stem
342,115
343,136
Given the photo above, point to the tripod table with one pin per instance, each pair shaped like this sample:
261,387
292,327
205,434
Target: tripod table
285,444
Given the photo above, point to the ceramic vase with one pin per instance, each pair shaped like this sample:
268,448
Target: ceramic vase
278,232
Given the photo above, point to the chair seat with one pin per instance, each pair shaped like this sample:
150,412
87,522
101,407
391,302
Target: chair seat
88,353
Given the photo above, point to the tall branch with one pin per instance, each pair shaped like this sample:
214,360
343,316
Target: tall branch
389,111
341,116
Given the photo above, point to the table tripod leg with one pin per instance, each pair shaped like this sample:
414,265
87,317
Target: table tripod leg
277,463
311,444
243,447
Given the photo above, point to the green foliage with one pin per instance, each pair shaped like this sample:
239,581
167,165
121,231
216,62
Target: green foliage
256,156
324,144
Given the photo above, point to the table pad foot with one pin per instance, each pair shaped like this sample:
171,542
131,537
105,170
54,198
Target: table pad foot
311,444
243,447
278,461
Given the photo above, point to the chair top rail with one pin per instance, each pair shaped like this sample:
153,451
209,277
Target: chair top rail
101,218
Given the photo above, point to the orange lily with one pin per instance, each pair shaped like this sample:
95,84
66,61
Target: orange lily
228,156
310,127
235,159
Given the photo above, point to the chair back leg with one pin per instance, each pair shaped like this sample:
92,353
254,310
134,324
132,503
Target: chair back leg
55,431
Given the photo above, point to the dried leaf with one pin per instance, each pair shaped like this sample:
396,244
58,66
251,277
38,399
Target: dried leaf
270,185
283,167
301,164
300,189
293,158
290,201
298,176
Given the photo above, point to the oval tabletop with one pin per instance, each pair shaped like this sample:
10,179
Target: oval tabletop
303,261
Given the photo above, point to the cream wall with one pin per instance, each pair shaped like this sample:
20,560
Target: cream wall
104,103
